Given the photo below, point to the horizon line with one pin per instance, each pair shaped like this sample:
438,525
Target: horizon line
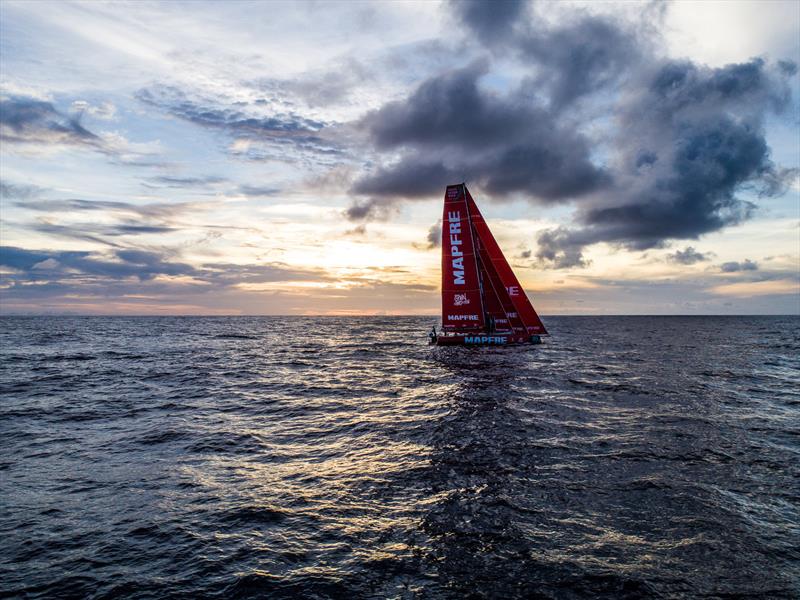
334,316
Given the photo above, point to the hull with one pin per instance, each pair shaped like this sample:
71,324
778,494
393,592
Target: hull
486,340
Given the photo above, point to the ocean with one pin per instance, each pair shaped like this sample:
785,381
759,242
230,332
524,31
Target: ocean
307,457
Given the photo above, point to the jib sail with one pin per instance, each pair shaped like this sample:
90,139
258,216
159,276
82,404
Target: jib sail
522,315
462,298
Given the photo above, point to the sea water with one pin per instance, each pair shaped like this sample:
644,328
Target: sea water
277,457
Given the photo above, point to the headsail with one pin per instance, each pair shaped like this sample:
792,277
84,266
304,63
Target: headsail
462,300
493,260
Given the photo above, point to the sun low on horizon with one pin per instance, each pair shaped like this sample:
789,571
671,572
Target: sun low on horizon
257,158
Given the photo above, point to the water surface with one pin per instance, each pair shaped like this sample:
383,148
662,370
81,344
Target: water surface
267,457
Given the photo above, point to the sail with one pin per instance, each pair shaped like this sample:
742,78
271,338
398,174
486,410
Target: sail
462,300
493,256
501,314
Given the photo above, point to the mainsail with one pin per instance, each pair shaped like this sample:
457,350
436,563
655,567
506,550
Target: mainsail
479,289
462,300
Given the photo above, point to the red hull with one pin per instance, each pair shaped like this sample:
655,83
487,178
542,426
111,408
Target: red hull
486,340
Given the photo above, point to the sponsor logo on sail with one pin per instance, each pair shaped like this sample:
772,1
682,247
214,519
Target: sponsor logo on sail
454,219
462,317
460,299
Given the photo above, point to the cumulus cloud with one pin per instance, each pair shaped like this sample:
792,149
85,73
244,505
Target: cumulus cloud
691,138
688,256
683,143
492,22
452,129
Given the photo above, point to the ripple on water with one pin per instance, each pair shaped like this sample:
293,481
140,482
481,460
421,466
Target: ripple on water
626,457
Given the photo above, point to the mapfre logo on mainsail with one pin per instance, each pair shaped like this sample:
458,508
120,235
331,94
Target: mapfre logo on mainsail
454,220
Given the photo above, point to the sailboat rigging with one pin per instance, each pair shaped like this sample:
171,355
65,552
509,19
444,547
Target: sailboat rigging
483,302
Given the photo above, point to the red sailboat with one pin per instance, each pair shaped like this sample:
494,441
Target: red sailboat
482,300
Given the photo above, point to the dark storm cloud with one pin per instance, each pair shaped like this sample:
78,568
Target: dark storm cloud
412,177
229,118
691,140
579,58
450,129
683,144
28,120
491,22
688,256
735,267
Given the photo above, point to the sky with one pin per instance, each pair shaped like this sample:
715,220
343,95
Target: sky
225,158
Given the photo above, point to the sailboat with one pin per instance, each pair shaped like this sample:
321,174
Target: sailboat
483,303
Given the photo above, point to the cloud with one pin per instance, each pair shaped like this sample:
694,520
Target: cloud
119,265
25,120
105,111
154,210
232,120
358,230
580,57
560,248
435,235
690,140
735,267
323,88
34,123
490,21
645,149
98,232
19,191
688,256
255,190
186,182
371,209
451,129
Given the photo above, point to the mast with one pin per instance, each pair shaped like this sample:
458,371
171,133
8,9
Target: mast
477,259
